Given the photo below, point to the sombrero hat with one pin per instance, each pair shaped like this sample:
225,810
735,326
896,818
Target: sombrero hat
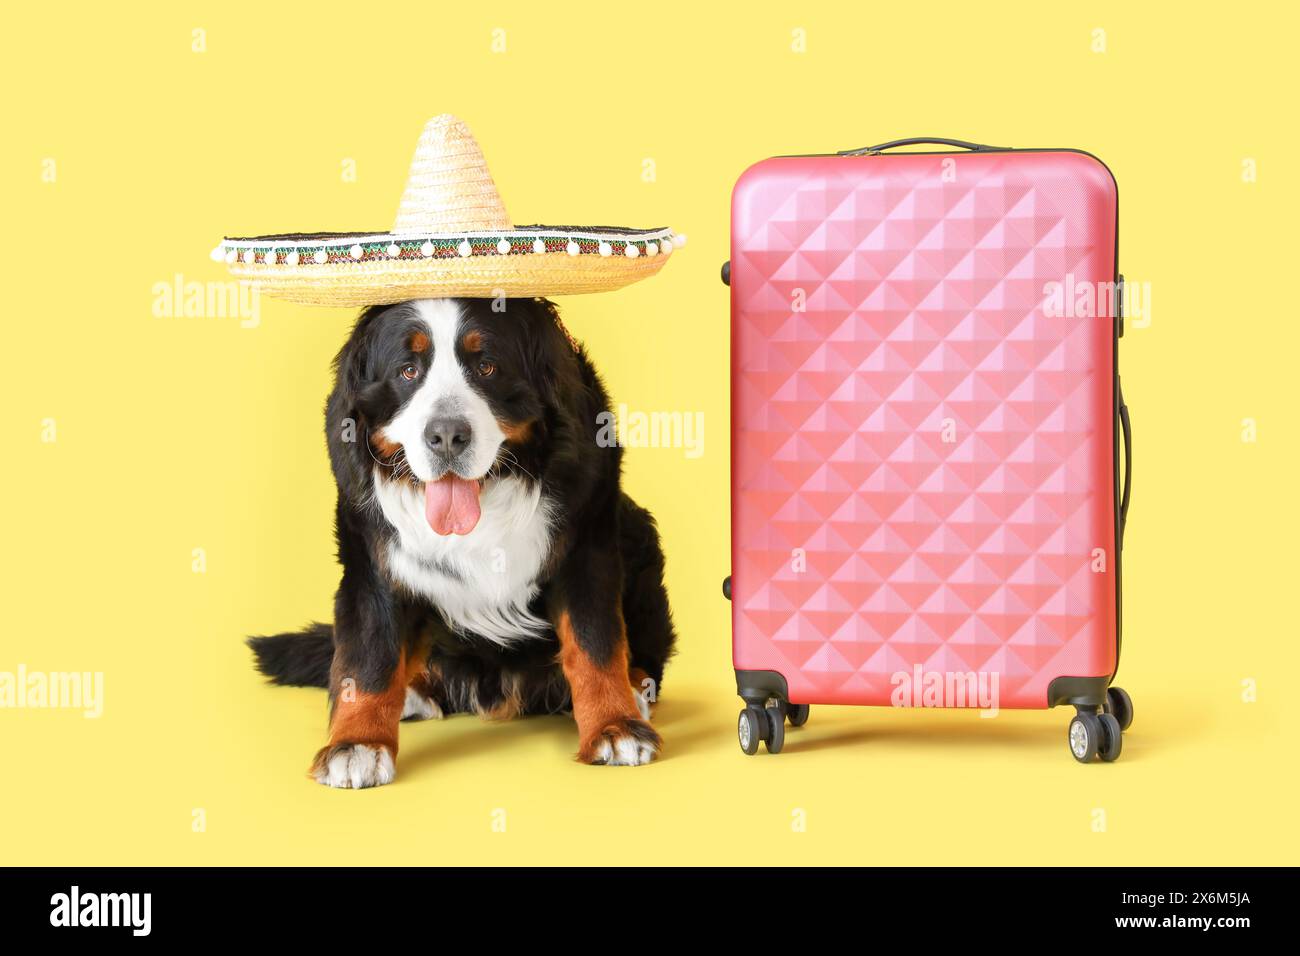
452,237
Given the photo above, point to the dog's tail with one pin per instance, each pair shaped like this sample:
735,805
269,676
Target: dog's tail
298,659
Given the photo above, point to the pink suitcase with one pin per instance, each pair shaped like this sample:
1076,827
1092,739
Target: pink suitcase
926,433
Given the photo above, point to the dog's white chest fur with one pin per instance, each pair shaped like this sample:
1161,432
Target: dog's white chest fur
481,582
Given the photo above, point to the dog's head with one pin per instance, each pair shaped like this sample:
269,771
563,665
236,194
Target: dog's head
441,389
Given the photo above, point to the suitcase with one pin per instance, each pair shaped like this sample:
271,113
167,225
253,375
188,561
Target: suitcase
927,428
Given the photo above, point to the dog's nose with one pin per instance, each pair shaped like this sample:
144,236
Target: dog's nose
448,436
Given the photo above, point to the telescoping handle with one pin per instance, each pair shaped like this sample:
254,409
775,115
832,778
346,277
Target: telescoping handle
919,141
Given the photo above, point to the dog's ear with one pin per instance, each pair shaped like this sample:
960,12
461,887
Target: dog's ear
346,427
356,373
352,364
551,360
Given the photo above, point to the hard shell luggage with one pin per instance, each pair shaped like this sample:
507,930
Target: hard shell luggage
927,431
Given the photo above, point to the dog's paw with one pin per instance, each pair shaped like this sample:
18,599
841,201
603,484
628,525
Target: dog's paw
624,742
354,766
419,707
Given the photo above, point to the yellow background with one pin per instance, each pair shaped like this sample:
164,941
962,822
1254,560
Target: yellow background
183,433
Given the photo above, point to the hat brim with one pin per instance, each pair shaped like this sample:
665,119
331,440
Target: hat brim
378,268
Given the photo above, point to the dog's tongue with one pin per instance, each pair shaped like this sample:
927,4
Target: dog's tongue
451,505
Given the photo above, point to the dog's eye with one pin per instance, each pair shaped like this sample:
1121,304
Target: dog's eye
410,372
486,369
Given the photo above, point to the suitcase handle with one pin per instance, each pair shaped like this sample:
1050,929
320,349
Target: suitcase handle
921,140
1127,428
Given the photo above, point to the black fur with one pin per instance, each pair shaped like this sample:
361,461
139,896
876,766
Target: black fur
299,659
605,561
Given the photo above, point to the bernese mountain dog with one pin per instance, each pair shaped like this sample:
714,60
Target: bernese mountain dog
491,562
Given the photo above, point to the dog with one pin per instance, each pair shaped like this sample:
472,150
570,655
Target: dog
491,562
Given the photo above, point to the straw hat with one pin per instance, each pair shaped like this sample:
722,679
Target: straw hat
452,237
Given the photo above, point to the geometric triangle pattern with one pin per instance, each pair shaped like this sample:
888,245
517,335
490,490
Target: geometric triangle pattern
922,451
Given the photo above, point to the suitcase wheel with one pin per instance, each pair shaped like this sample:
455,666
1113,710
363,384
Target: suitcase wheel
751,728
1085,736
775,729
765,724
1098,734
1112,739
797,714
1120,704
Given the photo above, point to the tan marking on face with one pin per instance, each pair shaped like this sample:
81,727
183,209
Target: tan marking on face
419,343
472,341
517,433
385,448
